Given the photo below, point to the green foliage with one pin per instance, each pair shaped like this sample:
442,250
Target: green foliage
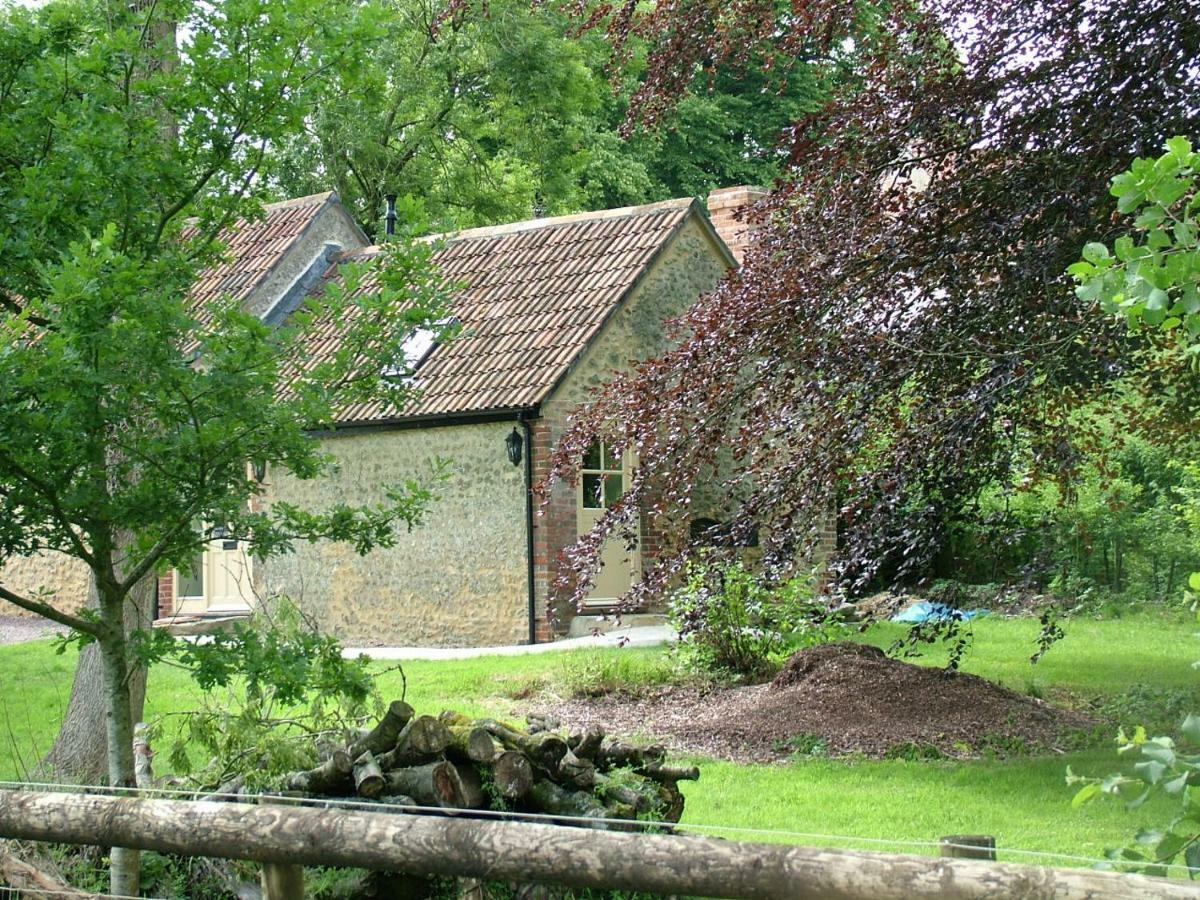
1152,276
998,745
114,442
1155,707
1124,526
914,751
592,675
806,744
270,688
1165,765
954,634
488,112
730,624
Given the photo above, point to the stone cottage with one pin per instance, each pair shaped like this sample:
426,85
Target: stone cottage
550,309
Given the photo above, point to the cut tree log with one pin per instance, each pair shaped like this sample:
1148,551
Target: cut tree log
473,796
227,791
576,772
538,723
664,773
512,774
510,851
422,738
330,777
325,746
544,749
384,736
548,797
670,801
368,777
586,744
434,784
620,755
454,762
469,742
20,875
641,796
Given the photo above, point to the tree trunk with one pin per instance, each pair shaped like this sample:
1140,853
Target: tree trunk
78,753
333,775
368,779
118,730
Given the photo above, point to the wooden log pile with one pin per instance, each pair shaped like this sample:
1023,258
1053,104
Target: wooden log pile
454,762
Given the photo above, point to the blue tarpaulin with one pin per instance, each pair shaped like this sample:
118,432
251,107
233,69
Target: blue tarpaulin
925,611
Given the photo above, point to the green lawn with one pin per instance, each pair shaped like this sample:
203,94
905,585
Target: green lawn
1023,801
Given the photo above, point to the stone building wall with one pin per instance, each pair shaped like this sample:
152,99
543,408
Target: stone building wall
65,576
691,264
458,579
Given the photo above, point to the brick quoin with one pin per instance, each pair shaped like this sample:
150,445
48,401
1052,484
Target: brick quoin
166,595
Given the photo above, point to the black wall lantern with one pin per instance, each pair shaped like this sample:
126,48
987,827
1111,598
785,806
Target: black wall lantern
513,444
260,470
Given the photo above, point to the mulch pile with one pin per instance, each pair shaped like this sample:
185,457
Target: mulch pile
852,696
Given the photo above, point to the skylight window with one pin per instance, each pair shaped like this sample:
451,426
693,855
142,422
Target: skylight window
417,347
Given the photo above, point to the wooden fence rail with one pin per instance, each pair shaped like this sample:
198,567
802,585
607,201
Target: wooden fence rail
519,851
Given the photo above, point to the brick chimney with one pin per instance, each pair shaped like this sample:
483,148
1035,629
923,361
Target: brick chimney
724,208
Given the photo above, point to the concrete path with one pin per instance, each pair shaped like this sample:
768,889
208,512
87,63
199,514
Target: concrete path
19,629
643,636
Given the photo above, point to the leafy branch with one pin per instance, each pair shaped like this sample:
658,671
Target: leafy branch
1152,277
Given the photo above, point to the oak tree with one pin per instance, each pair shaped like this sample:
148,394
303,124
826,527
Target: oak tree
128,417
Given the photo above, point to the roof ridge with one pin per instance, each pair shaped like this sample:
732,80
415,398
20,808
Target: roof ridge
487,231
571,219
301,201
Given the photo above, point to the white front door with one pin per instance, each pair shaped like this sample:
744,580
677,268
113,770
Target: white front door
221,580
602,480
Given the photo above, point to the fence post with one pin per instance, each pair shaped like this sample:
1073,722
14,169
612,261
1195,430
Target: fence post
969,846
282,881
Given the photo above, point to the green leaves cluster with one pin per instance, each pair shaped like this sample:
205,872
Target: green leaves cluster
270,688
476,113
1152,276
1167,766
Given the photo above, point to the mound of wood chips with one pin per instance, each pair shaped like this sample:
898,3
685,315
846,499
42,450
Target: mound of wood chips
850,697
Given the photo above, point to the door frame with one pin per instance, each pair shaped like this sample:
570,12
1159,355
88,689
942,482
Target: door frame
625,471
204,604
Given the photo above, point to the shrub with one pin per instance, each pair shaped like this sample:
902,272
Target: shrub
1124,527
729,623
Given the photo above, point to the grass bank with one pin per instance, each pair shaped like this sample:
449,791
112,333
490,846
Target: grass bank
863,803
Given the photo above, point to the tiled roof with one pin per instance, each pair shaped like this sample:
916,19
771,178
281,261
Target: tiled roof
536,295
253,249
